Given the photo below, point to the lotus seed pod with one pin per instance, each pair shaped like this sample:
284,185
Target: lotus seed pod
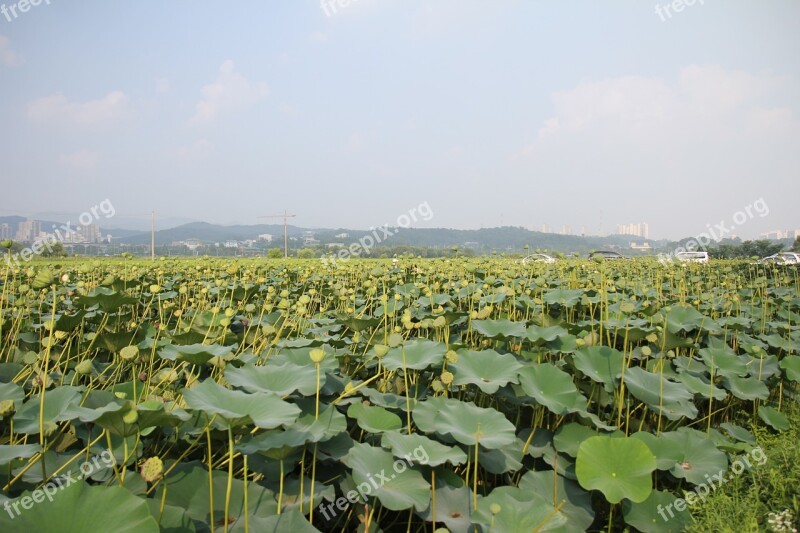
317,355
447,377
129,352
381,350
131,416
152,469
155,289
7,408
451,356
84,367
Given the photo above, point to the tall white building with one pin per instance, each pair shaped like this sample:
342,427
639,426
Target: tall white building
28,230
637,230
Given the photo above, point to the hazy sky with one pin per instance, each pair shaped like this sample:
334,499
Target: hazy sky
586,113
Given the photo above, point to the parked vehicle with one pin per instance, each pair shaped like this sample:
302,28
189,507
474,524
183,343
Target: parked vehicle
692,257
781,258
606,254
538,258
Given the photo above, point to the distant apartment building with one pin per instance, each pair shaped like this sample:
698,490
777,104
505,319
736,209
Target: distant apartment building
637,230
266,237
546,228
779,234
28,230
5,231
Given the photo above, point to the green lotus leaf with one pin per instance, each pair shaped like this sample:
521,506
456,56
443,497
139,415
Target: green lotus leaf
540,335
306,429
520,511
376,475
469,424
106,298
78,508
502,328
746,388
657,514
701,386
550,386
617,467
486,369
661,395
738,433
774,418
791,366
420,449
58,404
699,456
684,318
569,437
666,453
723,361
373,418
601,364
187,487
576,503
415,355
565,297
237,408
10,453
453,508
196,354
281,379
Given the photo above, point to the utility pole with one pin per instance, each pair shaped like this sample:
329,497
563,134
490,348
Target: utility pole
285,216
153,235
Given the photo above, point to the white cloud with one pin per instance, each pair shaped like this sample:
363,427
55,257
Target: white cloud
81,161
196,151
230,92
162,85
703,102
8,56
57,108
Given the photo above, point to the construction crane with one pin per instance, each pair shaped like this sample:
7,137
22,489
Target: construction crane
285,216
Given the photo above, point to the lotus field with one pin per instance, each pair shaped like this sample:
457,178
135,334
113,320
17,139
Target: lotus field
453,395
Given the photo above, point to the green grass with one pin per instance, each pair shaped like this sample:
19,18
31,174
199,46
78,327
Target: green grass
745,502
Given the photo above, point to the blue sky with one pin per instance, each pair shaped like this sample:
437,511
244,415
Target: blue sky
520,113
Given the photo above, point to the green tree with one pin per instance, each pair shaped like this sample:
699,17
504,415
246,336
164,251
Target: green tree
796,245
306,253
274,253
56,250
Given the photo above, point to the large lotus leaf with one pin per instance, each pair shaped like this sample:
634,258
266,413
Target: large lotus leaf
376,473
502,328
762,367
115,415
469,424
617,467
739,433
17,451
153,413
520,511
791,366
569,437
170,519
387,400
671,399
550,386
281,379
746,388
187,487
486,369
684,318
453,508
12,392
723,361
577,503
415,355
288,520
774,418
78,508
307,428
107,299
702,386
374,419
420,449
507,458
601,364
657,514
666,453
565,297
198,354
58,404
237,407
293,488
778,342
699,455
425,413
539,335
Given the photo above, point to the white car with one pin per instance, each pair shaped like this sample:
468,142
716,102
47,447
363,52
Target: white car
782,258
692,257
538,258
